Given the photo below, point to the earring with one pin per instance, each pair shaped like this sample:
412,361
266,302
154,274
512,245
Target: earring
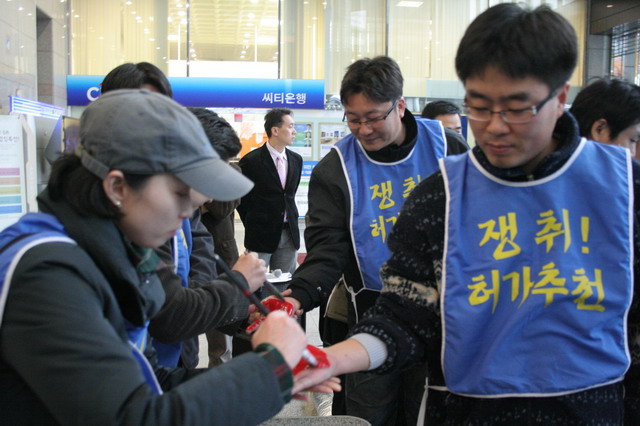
118,203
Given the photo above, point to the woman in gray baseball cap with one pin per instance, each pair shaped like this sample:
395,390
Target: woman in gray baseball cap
79,283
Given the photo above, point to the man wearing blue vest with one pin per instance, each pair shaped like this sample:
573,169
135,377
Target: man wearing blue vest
355,194
512,267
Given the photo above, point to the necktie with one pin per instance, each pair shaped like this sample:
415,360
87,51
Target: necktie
281,172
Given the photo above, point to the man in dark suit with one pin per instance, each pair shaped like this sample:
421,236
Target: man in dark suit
269,211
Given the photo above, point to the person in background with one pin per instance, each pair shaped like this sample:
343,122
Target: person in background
355,194
518,289
446,112
195,300
80,284
269,212
608,111
218,218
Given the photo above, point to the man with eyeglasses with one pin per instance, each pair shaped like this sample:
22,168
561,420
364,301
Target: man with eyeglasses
355,195
513,267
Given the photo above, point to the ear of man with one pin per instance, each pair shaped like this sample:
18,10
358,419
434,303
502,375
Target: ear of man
600,131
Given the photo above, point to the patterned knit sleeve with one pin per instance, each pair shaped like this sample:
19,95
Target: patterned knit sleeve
406,315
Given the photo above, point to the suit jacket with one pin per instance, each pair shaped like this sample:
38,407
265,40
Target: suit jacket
262,209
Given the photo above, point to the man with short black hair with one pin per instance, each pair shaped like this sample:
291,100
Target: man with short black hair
355,194
446,112
218,218
608,111
269,212
507,275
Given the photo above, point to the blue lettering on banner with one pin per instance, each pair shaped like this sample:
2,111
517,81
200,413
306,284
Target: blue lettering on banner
218,92
307,168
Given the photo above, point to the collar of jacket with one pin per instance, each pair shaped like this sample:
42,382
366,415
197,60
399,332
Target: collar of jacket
139,299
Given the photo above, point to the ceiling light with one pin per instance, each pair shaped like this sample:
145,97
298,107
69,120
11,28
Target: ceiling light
269,22
266,39
409,3
609,5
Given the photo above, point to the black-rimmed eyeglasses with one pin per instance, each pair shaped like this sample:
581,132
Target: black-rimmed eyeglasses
513,116
371,122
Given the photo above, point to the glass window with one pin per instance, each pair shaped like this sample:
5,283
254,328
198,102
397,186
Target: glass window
107,34
309,39
226,38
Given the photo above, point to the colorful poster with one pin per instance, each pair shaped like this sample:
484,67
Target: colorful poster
302,199
304,140
330,133
12,175
251,134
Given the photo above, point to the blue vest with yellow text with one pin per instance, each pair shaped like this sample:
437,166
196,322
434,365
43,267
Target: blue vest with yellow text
39,228
378,191
537,278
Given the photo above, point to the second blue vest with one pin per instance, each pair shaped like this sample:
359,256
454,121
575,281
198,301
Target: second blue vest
537,278
378,191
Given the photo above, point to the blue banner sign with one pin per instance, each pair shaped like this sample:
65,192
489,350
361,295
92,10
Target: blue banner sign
219,92
35,108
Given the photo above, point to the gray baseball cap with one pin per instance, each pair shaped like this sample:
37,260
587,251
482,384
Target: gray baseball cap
141,132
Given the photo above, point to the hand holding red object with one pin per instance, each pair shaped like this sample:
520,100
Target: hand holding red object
272,305
320,356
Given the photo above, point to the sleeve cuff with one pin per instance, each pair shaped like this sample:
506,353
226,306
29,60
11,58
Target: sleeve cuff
280,367
375,347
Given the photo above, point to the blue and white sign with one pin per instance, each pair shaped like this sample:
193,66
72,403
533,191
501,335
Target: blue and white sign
302,195
219,92
38,109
